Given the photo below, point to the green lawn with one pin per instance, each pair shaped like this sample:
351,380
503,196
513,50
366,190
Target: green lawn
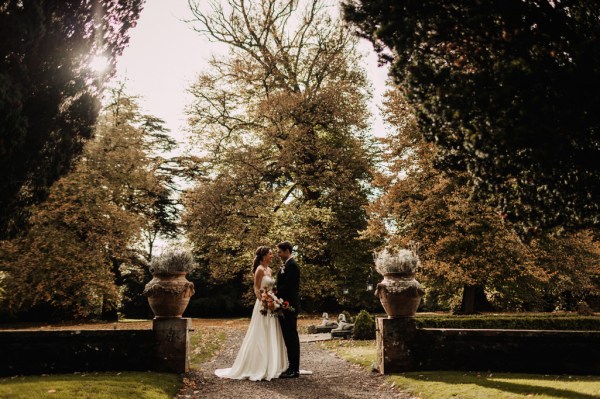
123,385
359,352
204,342
463,385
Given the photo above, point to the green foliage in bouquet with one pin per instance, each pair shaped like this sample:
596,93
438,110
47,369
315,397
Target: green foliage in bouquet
364,326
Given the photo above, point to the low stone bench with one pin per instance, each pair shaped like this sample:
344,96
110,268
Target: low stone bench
341,333
324,329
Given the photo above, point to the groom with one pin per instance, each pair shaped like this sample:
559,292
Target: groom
288,287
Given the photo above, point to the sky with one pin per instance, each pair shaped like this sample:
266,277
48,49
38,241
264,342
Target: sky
165,54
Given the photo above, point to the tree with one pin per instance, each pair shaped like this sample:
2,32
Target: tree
508,93
49,93
471,259
142,143
281,122
130,153
572,265
81,253
464,246
63,266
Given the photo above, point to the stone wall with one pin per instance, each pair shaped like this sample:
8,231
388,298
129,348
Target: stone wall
401,346
165,348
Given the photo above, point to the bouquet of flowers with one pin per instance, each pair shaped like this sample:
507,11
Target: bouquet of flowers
272,305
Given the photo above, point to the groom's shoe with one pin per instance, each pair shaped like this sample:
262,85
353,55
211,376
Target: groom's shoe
284,373
290,374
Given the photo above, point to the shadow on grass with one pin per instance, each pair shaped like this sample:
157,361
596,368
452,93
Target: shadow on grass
539,390
452,378
105,385
521,384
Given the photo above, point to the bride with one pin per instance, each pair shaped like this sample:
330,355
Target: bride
262,355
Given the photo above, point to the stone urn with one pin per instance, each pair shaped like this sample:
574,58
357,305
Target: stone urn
169,294
169,291
400,294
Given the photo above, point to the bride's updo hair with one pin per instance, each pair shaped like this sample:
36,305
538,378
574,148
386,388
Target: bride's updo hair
261,252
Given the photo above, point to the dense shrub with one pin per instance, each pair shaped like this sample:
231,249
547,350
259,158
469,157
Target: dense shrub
364,326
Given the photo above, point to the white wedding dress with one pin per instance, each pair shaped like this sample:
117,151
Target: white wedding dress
262,355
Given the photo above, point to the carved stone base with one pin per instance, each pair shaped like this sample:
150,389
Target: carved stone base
173,343
393,336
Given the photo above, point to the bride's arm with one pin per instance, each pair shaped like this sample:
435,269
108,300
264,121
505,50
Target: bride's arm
258,275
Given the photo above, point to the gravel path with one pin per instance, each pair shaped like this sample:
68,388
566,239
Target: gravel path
332,377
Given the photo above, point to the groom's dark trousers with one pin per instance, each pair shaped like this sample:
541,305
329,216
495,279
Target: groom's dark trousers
289,328
288,287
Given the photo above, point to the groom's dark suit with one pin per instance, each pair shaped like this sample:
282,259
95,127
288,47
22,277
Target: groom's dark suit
288,287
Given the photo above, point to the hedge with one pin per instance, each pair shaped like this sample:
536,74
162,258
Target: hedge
514,322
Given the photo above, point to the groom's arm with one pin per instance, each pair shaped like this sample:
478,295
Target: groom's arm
294,277
293,283
289,278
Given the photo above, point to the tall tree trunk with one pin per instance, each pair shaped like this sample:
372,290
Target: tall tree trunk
468,299
474,300
109,306
109,310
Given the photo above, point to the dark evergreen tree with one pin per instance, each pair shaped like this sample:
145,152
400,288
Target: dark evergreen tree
508,90
81,254
49,93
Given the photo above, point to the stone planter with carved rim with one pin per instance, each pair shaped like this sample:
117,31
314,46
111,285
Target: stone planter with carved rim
169,294
400,294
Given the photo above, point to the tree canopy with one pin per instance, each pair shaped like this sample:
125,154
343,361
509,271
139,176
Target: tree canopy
280,121
508,91
49,92
83,243
471,259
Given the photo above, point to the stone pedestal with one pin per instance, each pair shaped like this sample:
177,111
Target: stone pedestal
393,344
172,343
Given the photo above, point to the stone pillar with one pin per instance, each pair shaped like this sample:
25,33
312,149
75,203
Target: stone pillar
393,339
172,343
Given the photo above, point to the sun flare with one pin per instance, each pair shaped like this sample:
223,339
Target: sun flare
99,64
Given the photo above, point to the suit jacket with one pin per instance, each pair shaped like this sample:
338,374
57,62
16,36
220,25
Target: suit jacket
288,283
